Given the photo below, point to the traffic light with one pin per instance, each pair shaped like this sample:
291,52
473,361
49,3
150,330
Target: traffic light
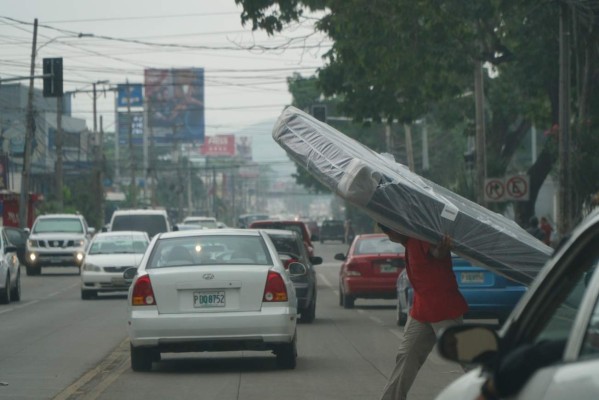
52,77
319,111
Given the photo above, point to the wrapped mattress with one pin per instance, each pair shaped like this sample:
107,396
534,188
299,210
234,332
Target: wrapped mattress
394,196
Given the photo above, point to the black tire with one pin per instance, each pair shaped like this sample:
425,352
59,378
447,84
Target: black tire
88,294
5,293
141,358
340,296
33,271
287,354
401,318
348,301
15,293
309,314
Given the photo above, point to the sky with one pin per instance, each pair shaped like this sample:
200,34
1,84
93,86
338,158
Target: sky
244,87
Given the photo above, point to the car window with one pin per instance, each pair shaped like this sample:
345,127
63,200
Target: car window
377,246
70,225
151,224
286,245
209,250
15,236
590,344
118,245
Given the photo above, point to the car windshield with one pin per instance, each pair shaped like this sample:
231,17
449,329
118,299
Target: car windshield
377,246
209,250
71,225
125,244
286,245
151,224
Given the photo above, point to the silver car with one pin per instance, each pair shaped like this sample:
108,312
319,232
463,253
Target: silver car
10,275
107,257
549,346
212,290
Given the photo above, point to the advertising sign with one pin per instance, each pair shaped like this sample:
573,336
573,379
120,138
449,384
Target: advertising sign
130,93
219,145
175,104
136,121
244,147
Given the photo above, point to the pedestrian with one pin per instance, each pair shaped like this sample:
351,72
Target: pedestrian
437,304
547,230
348,231
533,228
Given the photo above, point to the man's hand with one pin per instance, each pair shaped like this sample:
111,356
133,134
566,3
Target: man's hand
443,249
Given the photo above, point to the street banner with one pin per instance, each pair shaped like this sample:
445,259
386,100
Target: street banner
218,146
130,95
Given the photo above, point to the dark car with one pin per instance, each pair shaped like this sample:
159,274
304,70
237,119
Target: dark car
488,295
332,229
290,247
370,269
289,225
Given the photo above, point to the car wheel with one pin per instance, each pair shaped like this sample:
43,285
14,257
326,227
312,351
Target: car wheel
340,296
5,293
308,314
141,358
401,318
15,295
287,354
88,294
32,271
348,301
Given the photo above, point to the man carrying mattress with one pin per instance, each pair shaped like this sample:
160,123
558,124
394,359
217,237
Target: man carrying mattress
437,304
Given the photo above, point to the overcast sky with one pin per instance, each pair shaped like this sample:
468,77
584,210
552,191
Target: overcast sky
242,87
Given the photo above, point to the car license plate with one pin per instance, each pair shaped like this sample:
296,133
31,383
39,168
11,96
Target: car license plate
472,277
206,299
388,268
119,282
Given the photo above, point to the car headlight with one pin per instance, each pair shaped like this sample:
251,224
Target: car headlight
79,243
91,268
31,243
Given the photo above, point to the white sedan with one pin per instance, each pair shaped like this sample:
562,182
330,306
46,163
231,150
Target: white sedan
212,290
108,255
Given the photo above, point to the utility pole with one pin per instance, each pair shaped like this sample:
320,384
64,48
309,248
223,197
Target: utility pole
481,165
101,172
97,181
58,167
29,135
564,198
409,147
132,185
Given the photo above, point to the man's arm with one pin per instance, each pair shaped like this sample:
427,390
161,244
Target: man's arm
441,250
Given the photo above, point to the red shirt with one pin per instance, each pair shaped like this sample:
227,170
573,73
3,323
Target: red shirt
436,293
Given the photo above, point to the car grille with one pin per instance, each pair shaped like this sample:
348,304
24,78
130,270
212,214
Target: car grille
117,269
56,243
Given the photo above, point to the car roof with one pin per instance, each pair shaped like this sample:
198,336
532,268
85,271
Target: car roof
280,232
278,221
120,233
46,216
209,232
139,212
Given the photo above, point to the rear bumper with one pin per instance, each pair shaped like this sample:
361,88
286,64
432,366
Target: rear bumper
492,302
104,282
257,330
371,288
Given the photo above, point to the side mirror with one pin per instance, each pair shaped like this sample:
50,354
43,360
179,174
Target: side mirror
296,269
340,257
175,227
129,274
27,231
469,344
316,260
10,248
91,231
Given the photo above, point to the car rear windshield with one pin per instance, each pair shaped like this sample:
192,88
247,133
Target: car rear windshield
126,244
70,225
377,246
151,224
209,250
280,225
286,244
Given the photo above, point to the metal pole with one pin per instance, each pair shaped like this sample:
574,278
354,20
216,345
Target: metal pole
58,167
481,169
564,122
29,135
132,185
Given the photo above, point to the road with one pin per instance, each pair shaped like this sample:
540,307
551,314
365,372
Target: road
57,346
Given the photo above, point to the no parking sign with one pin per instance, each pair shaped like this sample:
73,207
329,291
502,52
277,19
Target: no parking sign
509,188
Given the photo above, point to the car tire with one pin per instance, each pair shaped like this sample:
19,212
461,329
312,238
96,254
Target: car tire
15,294
88,294
309,314
287,354
348,301
141,358
5,293
401,318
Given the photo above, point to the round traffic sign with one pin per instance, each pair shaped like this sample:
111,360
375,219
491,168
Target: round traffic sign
494,189
517,187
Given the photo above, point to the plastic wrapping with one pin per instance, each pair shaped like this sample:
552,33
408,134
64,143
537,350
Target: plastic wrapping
394,196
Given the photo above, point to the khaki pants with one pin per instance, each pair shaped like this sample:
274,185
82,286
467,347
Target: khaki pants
419,338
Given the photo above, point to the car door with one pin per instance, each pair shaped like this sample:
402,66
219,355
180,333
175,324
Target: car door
566,308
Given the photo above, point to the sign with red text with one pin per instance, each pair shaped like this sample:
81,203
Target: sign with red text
218,146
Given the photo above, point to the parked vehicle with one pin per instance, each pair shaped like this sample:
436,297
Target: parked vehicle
244,220
488,294
332,229
108,256
150,221
289,225
370,269
57,240
10,273
291,248
207,222
17,237
314,229
212,290
560,310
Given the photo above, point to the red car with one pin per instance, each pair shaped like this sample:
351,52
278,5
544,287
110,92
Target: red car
290,225
370,269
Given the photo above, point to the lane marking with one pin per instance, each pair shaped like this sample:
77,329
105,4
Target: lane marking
21,305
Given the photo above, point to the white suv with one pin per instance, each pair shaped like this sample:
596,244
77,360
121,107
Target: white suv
57,240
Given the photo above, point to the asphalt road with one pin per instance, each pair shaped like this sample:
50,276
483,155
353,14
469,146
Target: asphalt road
56,346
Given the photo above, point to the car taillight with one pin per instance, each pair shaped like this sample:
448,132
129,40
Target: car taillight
357,268
143,294
275,289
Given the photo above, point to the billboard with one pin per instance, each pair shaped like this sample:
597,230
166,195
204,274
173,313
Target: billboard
136,122
130,93
219,145
175,104
244,147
